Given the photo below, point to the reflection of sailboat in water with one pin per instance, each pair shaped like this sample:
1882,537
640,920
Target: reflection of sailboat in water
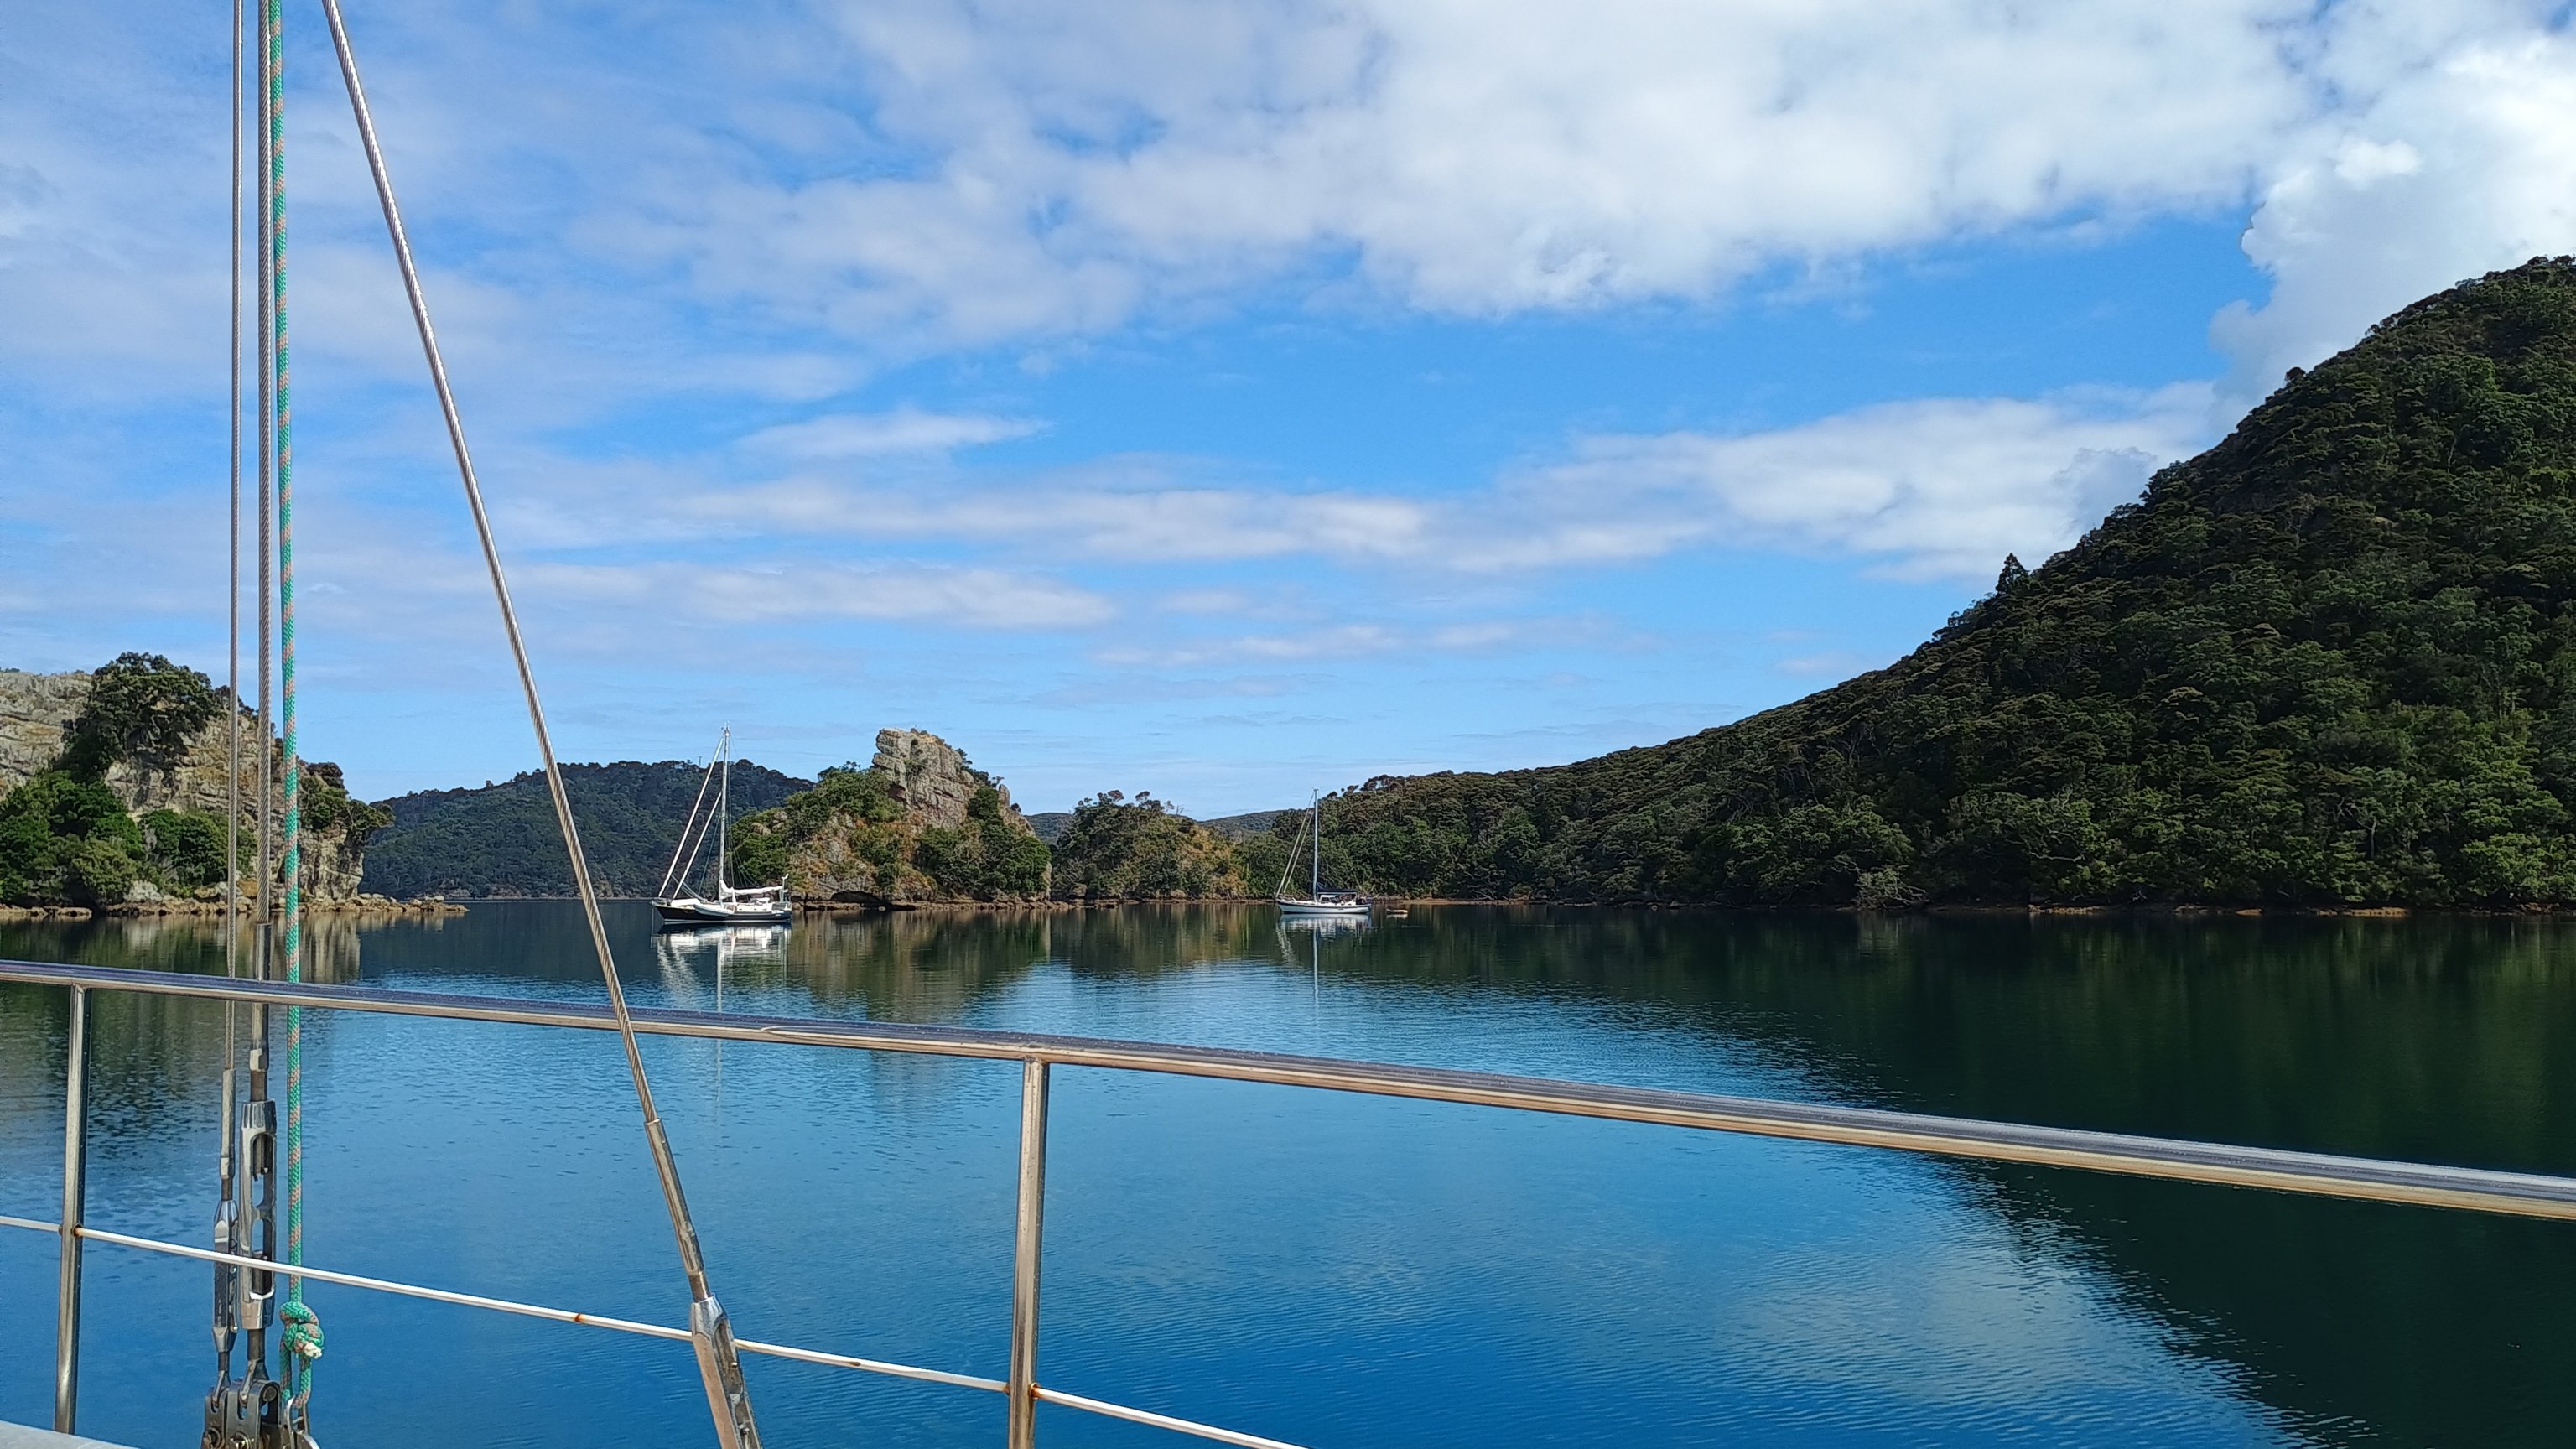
1315,929
730,904
688,958
680,954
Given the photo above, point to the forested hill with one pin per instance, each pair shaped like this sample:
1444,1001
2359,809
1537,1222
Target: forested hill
501,840
2327,662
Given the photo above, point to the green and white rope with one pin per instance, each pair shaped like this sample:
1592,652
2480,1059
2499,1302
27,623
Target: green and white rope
302,1331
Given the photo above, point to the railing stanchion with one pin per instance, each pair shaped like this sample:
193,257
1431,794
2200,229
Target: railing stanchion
1024,1257
67,1304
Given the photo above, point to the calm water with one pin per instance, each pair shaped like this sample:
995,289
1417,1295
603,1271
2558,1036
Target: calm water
1352,1272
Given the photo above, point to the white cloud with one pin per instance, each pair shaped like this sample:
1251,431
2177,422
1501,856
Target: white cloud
981,598
2453,170
1938,487
1343,643
904,430
1066,167
824,185
1934,488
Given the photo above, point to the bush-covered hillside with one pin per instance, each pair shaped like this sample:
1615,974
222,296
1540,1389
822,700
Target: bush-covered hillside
502,840
1114,848
2327,662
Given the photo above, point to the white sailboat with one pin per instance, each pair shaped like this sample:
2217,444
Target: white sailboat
731,905
1317,901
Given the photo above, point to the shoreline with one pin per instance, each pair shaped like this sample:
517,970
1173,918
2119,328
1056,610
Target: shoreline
441,905
384,907
214,910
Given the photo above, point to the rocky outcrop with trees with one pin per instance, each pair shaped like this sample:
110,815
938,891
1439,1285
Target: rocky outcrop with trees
920,825
113,789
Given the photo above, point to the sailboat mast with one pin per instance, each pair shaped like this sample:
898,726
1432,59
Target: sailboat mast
724,807
1315,807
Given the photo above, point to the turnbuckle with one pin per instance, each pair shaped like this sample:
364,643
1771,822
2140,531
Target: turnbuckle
251,1412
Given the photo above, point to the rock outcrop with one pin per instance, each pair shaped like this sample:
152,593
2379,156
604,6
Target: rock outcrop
34,709
919,826
932,777
37,710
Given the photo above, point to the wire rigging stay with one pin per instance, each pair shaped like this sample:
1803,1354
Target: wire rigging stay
710,1331
257,1410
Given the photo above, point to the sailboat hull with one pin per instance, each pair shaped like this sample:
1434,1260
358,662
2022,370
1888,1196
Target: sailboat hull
690,911
1289,906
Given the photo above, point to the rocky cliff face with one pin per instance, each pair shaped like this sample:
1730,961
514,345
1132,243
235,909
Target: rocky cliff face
920,826
36,709
932,778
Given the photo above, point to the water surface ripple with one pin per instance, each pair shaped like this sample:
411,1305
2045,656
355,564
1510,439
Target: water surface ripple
1344,1271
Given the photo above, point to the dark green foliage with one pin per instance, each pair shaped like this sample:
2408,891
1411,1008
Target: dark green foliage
324,803
141,708
184,848
66,839
756,857
98,871
502,840
1117,849
854,802
2331,661
987,858
860,793
65,836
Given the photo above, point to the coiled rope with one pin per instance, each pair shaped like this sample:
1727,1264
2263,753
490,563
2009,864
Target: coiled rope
301,1335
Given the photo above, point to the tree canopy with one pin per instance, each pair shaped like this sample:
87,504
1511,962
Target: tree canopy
502,840
1115,848
2326,663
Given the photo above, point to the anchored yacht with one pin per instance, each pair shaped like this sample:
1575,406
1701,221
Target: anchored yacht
731,905
1317,901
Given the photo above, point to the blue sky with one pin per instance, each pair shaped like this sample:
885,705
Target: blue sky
1224,399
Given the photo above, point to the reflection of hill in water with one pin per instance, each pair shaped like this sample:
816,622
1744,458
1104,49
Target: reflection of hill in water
2442,1040
1148,940
924,966
167,1051
2439,1040
934,966
185,943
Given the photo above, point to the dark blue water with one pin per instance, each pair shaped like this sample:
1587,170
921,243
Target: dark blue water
1338,1271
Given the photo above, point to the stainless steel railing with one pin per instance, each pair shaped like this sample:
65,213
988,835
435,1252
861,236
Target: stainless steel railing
2316,1174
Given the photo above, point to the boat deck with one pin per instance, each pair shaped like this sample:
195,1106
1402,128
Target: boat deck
16,1436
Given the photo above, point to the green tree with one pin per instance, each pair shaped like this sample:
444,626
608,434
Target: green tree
98,872
143,708
1120,849
46,828
184,848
